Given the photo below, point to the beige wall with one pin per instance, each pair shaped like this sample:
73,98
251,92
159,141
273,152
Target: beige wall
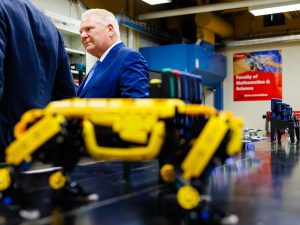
253,111
63,7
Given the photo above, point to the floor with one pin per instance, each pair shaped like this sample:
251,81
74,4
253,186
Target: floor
261,188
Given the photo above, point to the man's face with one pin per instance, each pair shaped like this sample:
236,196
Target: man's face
94,36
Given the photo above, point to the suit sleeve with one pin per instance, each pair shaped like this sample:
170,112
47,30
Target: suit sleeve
3,43
64,85
134,77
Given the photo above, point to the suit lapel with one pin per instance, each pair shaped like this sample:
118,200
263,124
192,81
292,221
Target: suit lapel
112,55
99,70
80,88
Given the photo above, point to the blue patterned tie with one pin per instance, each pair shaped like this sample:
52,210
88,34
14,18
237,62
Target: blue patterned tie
91,73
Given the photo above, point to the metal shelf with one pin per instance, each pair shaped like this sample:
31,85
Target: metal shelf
75,51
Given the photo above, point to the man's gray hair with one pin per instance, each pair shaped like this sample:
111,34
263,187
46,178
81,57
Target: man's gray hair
104,17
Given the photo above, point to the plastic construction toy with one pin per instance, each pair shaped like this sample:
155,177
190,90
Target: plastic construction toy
282,118
251,135
177,84
188,139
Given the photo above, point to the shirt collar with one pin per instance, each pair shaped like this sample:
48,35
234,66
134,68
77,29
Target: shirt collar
107,51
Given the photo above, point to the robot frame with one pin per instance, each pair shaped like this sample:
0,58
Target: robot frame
188,139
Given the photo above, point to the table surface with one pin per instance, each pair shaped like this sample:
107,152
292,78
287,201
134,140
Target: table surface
261,187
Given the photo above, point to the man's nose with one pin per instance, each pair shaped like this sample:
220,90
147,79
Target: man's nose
83,34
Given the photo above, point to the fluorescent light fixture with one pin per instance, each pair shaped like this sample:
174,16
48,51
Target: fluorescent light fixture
156,2
275,8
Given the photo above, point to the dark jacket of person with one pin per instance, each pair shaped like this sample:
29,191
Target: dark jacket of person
34,67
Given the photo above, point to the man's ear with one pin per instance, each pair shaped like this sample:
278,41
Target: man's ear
111,30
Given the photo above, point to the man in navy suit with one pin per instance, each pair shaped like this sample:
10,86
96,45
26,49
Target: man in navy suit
34,67
119,71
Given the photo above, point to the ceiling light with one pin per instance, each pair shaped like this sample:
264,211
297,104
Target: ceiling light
155,2
275,8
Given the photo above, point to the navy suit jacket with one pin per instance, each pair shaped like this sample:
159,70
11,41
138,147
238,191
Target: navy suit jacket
34,67
123,73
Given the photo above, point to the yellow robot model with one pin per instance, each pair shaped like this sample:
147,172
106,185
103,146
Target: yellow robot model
186,138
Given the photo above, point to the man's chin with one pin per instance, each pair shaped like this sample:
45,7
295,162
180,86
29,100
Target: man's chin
90,51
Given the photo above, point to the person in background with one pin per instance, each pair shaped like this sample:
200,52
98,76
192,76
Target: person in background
34,66
119,71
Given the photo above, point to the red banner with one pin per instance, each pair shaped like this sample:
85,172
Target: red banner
257,76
